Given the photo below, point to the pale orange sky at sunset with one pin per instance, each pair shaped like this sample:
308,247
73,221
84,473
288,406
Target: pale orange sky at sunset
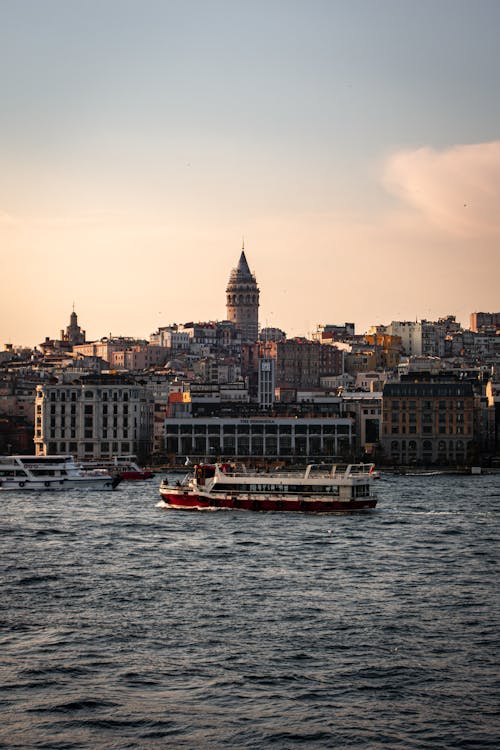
362,171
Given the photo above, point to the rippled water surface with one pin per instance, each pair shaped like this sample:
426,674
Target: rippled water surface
124,625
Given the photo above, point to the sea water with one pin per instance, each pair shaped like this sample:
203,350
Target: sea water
124,625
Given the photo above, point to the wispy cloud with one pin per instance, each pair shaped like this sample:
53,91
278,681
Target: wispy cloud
457,189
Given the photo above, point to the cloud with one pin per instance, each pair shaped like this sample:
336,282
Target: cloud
457,189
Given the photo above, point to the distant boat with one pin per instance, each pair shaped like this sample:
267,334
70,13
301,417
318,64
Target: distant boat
42,473
125,467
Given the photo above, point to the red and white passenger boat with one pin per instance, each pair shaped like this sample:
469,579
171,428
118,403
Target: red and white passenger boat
320,489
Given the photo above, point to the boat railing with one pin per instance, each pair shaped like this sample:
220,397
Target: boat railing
312,471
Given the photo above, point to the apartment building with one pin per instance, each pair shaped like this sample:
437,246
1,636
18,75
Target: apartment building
428,423
98,417
260,437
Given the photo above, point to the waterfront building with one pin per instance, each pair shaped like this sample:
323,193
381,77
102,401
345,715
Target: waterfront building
366,410
261,438
97,417
493,396
428,423
242,300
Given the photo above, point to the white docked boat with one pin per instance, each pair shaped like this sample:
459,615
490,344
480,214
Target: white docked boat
50,473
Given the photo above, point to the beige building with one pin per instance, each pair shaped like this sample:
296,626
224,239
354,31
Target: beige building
428,423
99,417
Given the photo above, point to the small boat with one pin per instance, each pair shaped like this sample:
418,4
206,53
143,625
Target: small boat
125,467
128,469
51,473
319,489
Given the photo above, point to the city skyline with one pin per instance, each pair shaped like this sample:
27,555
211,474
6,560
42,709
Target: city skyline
355,148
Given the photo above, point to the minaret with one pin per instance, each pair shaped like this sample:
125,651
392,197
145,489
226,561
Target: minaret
242,300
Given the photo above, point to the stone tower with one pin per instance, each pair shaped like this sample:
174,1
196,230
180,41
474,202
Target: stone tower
74,334
242,300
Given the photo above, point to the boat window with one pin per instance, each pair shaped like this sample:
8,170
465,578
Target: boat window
361,490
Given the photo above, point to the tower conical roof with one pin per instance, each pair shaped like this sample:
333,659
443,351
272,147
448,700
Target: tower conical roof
242,274
243,268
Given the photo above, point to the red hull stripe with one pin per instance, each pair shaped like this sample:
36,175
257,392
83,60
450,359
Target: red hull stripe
131,475
196,502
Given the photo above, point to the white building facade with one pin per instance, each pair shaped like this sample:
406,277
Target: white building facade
96,418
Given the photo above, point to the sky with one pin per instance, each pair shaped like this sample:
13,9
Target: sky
353,145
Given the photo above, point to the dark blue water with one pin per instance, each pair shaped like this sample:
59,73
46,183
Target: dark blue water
127,626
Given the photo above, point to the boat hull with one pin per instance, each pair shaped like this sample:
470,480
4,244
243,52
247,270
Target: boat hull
61,485
194,501
135,476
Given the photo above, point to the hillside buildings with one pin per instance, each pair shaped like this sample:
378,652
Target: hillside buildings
406,393
72,336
